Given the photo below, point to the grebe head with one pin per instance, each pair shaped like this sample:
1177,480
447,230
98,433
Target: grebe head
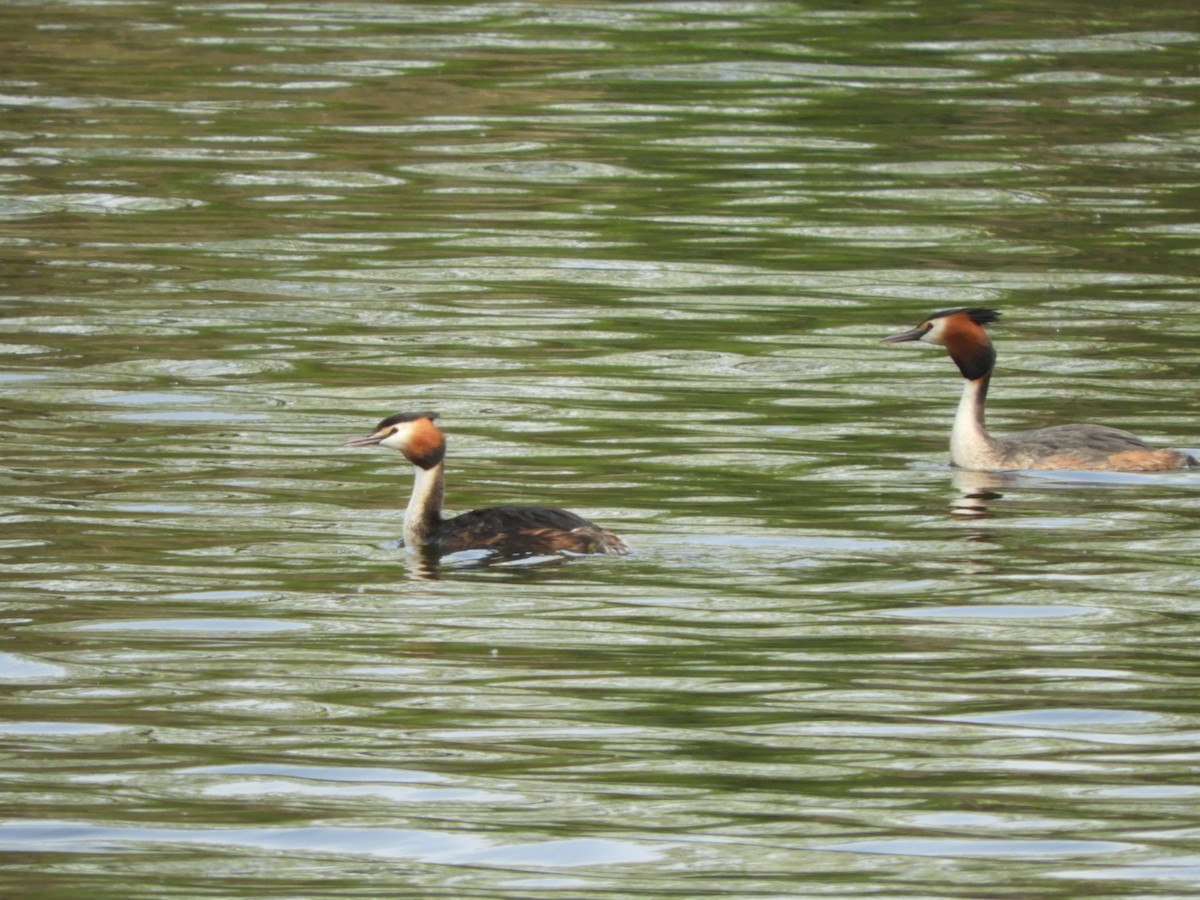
944,327
962,333
413,434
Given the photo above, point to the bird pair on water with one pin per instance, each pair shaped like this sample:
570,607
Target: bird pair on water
514,530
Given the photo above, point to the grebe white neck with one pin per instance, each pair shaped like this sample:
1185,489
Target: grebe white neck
971,447
423,517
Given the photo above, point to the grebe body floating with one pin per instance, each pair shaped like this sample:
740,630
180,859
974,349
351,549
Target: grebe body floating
1092,447
504,530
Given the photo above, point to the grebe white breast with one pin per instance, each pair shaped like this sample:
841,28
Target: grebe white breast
1096,447
506,530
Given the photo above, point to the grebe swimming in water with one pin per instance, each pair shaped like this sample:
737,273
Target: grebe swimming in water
507,530
961,332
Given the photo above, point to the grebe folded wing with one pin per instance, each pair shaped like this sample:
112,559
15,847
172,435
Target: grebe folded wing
542,529
1088,447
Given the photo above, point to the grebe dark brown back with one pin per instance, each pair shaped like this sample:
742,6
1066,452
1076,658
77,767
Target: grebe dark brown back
505,530
962,333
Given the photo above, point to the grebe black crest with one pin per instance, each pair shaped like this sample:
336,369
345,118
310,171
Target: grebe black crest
504,530
1096,447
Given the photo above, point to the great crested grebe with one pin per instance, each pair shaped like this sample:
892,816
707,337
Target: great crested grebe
506,530
962,333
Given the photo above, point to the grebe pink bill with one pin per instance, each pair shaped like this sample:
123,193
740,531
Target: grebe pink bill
505,531
1091,447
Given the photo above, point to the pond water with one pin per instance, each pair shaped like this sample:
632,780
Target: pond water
638,256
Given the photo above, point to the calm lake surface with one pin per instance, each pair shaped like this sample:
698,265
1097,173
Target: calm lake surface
638,256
